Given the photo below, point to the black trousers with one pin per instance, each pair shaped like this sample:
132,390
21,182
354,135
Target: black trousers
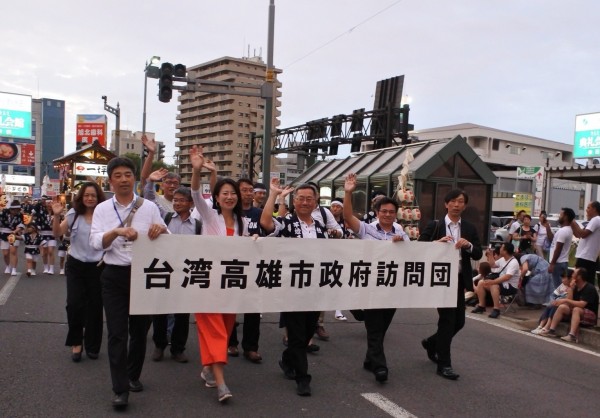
84,305
377,322
179,335
590,266
450,321
126,360
301,327
251,331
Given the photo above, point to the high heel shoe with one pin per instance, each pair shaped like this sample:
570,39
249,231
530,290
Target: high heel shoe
76,355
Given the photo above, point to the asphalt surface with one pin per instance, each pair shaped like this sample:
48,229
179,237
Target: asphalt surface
505,372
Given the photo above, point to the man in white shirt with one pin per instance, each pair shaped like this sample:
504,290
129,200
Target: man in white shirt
506,284
115,225
561,245
589,242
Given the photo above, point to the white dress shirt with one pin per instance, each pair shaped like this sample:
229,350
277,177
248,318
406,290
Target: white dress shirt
109,215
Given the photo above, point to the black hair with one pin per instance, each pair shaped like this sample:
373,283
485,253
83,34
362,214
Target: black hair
509,248
384,201
119,162
237,210
596,205
455,194
245,181
185,192
569,213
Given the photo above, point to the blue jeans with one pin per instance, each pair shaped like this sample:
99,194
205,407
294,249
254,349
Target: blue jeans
559,270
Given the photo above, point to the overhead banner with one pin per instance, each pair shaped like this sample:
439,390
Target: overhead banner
17,154
191,273
90,128
587,136
15,115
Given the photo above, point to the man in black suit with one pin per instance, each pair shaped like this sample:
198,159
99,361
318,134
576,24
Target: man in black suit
452,230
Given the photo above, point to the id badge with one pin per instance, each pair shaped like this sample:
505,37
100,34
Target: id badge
127,246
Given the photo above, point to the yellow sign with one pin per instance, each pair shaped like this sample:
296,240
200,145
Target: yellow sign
523,201
270,76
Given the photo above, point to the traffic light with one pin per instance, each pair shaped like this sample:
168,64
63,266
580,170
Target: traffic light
161,152
179,70
165,82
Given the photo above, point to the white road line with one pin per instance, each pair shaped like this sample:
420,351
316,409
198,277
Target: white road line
388,406
558,341
8,288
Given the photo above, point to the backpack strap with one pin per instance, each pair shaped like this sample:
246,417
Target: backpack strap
198,226
168,217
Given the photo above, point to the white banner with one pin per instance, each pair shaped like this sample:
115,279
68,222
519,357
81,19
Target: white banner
190,273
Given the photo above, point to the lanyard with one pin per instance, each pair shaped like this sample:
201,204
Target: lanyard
117,212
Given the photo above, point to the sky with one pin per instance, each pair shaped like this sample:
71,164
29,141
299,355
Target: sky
522,66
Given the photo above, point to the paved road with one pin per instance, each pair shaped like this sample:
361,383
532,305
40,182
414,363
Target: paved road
504,372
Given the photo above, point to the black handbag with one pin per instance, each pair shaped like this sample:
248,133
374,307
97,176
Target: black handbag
493,276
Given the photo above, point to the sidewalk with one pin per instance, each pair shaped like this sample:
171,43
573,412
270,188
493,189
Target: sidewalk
527,319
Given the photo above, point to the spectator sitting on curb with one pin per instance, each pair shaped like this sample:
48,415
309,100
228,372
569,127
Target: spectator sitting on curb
559,293
581,305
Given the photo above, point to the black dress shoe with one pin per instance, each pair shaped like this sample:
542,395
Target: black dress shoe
135,386
430,350
120,400
76,357
381,375
303,388
288,371
92,356
448,373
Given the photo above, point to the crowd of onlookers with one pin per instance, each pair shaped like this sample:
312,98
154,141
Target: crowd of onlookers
533,266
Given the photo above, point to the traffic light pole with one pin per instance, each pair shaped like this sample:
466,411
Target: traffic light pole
270,76
117,112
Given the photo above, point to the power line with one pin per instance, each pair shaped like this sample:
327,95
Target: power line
341,34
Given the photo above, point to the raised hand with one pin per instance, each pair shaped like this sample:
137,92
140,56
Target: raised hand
275,187
209,165
350,182
197,157
158,175
150,144
286,191
57,208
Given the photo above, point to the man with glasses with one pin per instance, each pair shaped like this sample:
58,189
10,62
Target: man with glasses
377,321
300,325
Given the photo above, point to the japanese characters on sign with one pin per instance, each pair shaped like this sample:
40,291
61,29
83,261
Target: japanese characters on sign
93,170
91,128
183,273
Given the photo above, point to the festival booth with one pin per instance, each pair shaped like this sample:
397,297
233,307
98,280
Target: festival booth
418,175
87,164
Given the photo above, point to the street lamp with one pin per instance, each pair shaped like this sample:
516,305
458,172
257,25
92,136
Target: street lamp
150,70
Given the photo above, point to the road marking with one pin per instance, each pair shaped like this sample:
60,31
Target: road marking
388,406
8,288
557,341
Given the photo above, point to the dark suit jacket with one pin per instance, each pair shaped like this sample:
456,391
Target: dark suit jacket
437,229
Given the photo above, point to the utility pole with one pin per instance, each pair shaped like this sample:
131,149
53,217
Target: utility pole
117,112
270,77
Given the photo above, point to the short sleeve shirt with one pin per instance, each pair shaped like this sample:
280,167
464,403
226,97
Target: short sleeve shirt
589,246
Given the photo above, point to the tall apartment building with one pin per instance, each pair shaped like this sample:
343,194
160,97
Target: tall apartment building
131,142
223,123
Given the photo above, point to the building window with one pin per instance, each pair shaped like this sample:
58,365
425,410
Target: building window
495,144
57,104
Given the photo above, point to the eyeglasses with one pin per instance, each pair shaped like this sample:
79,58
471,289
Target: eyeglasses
387,212
303,199
171,183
